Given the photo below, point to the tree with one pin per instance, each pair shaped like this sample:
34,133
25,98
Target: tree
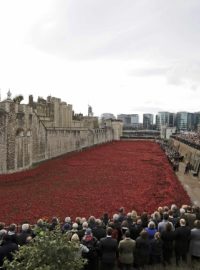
47,251
18,99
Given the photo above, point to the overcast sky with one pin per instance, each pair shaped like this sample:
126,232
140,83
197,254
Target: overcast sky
119,56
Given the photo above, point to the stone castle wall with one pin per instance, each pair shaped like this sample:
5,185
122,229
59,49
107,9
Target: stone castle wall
31,133
3,144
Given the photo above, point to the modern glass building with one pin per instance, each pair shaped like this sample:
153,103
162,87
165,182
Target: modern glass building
148,121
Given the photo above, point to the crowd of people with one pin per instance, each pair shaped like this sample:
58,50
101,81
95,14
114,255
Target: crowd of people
190,138
174,157
170,235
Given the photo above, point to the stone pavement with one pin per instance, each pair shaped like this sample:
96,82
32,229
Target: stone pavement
190,183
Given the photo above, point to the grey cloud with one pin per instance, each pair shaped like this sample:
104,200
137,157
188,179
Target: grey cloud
120,29
185,73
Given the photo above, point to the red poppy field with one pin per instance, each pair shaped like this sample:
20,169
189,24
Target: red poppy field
132,174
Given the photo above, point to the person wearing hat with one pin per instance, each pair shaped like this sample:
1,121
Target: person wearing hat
91,243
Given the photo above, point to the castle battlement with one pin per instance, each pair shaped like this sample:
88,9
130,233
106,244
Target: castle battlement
33,132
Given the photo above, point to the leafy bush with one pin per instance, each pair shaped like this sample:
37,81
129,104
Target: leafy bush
48,251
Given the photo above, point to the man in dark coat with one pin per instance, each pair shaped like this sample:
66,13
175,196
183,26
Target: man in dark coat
168,238
7,248
108,250
182,238
142,251
99,231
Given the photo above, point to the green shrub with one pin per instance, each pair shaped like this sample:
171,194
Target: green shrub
48,251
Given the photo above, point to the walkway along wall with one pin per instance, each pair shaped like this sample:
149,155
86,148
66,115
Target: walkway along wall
190,154
25,139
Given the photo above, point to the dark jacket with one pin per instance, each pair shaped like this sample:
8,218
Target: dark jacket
168,238
182,238
99,232
142,251
6,251
108,250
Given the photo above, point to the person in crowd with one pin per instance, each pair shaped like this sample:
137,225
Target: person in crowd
168,238
196,210
3,232
7,249
195,242
134,215
99,231
122,214
161,212
182,238
175,210
124,228
190,217
136,229
2,225
144,218
105,219
78,221
12,233
181,216
40,227
91,243
187,168
156,249
67,225
116,226
156,218
74,230
91,222
81,232
54,223
142,250
25,232
129,219
108,248
126,252
162,224
82,249
151,230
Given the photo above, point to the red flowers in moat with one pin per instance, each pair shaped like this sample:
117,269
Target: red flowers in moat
132,174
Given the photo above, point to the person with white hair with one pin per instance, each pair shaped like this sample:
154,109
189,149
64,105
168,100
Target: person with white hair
25,232
151,229
74,230
67,226
81,248
182,240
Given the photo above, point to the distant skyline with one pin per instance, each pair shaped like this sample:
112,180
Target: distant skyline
131,56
